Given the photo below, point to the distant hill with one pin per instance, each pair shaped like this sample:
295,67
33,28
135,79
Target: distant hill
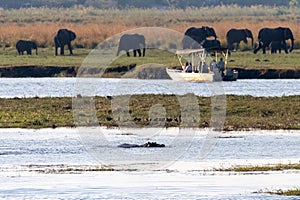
163,4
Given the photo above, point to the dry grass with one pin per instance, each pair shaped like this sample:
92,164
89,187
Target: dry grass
93,26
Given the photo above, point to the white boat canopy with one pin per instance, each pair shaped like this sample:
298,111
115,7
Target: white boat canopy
189,51
202,54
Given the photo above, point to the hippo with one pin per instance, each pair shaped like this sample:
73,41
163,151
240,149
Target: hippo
148,144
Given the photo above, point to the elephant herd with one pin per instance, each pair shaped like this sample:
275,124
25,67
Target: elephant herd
273,38
63,37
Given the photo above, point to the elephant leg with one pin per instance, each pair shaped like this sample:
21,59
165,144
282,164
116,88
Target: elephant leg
127,53
264,46
139,52
62,50
273,50
56,49
284,46
144,51
70,49
134,52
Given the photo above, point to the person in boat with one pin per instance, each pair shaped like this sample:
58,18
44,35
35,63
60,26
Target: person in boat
184,67
189,68
213,65
221,66
204,68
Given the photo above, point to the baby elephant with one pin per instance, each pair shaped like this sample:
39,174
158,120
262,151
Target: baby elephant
25,45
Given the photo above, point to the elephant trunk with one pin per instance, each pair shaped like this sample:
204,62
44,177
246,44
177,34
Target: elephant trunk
292,45
119,49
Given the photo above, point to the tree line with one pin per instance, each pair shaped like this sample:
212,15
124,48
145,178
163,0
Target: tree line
124,4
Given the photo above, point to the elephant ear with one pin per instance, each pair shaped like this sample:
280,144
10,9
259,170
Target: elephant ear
72,35
288,34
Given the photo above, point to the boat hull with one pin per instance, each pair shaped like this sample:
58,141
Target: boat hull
178,75
230,75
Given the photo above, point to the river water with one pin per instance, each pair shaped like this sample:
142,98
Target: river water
64,163
68,87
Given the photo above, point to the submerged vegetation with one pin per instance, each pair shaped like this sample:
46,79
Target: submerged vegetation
242,112
277,167
288,192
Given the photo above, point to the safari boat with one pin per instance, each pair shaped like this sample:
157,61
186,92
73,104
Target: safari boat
203,67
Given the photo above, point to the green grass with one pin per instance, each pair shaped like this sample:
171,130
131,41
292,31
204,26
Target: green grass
245,59
248,60
45,57
242,112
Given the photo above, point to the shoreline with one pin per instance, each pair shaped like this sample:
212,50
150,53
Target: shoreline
117,72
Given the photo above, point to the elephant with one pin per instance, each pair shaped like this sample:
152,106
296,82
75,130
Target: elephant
64,37
194,36
207,44
280,34
136,42
25,45
235,36
276,45
148,144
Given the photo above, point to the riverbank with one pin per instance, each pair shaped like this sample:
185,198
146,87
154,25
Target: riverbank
132,71
242,112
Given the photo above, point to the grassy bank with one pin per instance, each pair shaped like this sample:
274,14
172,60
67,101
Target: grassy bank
243,112
243,60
